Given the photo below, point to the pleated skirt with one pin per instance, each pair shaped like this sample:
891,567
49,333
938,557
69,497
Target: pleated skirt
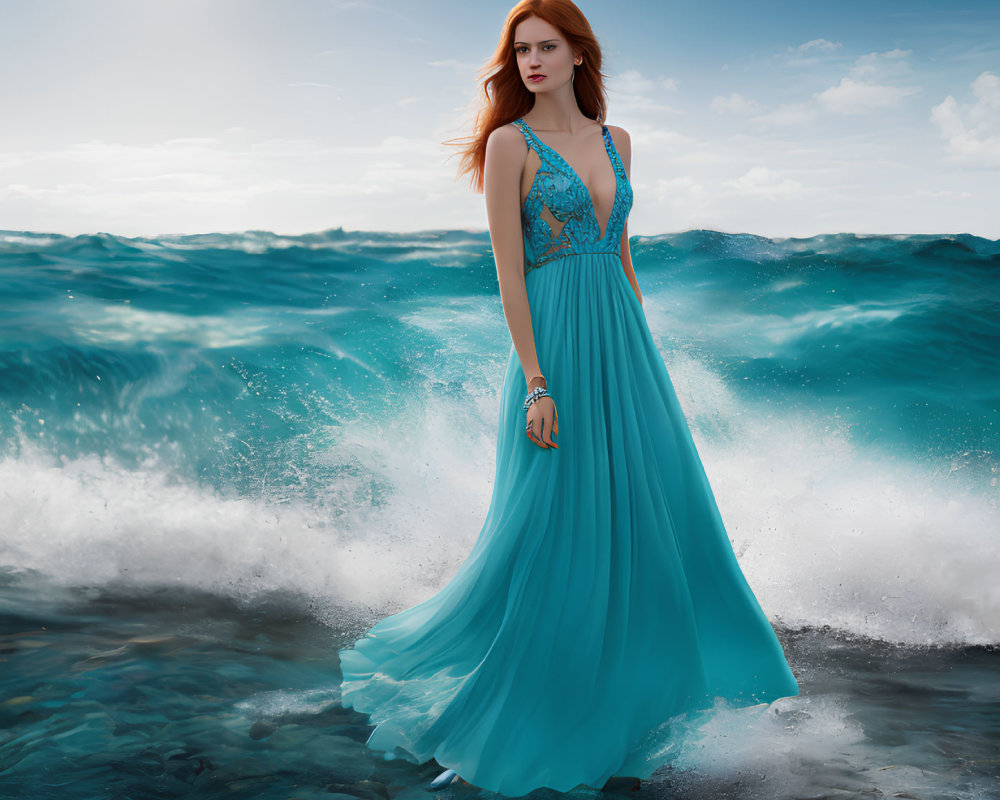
602,598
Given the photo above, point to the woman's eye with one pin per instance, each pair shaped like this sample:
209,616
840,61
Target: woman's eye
522,49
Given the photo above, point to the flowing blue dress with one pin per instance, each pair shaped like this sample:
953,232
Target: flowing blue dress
602,597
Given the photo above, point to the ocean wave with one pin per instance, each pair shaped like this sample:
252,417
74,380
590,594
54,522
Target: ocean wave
315,415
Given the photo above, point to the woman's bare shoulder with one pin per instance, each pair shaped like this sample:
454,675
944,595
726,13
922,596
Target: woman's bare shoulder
506,136
507,142
506,145
619,134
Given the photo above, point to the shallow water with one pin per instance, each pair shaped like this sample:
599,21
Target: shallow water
175,693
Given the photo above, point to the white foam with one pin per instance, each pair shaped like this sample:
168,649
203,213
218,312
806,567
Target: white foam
801,747
40,242
766,749
827,533
91,521
760,335
281,703
122,324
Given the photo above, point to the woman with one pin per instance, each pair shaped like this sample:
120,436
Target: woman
602,601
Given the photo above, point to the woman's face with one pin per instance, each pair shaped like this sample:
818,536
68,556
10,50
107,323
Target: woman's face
541,50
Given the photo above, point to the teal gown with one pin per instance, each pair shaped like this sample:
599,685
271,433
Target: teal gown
602,598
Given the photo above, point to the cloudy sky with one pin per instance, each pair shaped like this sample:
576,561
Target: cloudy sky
142,117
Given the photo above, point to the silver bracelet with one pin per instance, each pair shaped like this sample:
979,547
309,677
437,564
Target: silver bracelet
534,394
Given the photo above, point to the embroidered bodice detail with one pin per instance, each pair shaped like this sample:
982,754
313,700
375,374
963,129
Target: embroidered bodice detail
559,190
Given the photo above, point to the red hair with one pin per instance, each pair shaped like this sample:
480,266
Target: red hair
504,95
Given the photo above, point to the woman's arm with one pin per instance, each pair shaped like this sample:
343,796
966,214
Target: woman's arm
506,151
505,154
627,263
623,144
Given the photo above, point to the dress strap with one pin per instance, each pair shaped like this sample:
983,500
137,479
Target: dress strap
615,158
544,151
533,142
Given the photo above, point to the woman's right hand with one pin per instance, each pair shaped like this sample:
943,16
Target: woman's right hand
543,422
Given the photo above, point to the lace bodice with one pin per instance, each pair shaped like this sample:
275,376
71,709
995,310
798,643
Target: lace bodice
557,188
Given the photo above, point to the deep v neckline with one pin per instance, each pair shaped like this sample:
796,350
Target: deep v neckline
606,137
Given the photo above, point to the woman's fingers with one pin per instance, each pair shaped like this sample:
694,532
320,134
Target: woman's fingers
550,426
533,427
543,422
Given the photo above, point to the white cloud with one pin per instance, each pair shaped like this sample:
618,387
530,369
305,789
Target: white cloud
811,52
764,182
788,114
312,83
735,104
670,84
631,81
665,142
877,66
817,44
207,183
685,183
943,194
852,97
973,130
634,93
460,67
869,86
681,195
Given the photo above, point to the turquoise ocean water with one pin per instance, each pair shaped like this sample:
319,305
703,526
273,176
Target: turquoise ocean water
222,456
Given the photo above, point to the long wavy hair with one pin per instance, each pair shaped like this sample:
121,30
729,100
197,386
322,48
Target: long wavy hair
503,93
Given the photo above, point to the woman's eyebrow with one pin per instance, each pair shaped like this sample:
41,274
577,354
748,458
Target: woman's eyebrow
544,41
